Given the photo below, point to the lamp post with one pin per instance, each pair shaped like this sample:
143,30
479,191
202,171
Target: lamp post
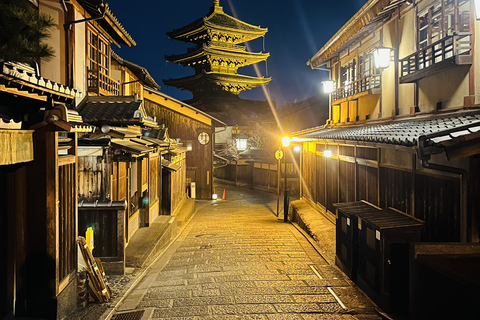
285,145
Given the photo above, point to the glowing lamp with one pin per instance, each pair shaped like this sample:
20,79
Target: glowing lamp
214,196
328,86
381,56
296,148
327,153
477,9
285,142
242,144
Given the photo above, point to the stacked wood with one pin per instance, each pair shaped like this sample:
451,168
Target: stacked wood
97,284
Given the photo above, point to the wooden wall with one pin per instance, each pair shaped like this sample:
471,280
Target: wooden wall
200,158
388,178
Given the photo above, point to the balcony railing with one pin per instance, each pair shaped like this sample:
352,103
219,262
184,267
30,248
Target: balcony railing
100,83
429,59
358,86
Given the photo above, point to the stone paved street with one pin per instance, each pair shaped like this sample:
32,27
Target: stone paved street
237,260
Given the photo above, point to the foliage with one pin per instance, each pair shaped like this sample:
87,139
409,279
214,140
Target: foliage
22,30
230,149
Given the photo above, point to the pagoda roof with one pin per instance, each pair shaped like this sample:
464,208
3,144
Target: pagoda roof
234,52
217,20
217,79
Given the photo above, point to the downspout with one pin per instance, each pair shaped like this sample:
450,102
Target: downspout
213,150
463,193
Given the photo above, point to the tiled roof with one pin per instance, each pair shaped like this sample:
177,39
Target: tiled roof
432,130
110,111
140,72
97,8
224,20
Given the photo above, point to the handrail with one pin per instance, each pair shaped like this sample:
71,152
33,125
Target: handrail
448,47
98,81
360,85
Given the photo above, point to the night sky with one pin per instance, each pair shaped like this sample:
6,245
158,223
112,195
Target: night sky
297,29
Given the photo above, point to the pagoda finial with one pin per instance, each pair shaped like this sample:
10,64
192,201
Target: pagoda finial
216,6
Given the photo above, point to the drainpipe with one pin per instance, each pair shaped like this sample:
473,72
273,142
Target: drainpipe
463,193
213,150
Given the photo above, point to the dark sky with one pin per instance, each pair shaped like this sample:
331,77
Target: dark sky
297,29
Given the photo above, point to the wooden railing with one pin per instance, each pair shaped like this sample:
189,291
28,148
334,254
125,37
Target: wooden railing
435,53
360,85
100,83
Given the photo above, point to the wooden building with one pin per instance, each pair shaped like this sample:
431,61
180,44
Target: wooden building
39,166
403,135
195,130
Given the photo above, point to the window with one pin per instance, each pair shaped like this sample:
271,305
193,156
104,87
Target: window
442,18
348,73
98,52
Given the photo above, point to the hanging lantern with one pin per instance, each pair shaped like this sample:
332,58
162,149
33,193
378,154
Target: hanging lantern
381,56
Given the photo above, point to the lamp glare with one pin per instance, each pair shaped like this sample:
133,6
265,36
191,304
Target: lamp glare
328,86
382,57
327,153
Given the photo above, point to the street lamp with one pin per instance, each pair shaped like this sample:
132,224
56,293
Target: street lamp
381,55
285,145
477,9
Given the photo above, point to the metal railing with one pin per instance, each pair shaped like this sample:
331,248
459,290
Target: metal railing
357,86
100,83
435,53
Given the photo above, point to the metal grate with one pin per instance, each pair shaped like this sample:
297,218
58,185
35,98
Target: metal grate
131,315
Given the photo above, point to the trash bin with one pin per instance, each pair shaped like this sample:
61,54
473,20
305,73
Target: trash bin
383,256
346,244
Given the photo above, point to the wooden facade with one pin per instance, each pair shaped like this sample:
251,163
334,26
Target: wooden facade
389,177
188,124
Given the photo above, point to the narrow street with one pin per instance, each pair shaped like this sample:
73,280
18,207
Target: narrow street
237,260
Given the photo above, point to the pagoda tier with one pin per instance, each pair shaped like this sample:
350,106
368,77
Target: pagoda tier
218,57
208,82
217,26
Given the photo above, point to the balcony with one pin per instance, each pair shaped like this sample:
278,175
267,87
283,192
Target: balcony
450,51
101,84
363,85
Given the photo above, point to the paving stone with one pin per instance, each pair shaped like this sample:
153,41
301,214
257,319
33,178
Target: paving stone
243,308
203,301
319,298
262,299
167,303
297,307
181,312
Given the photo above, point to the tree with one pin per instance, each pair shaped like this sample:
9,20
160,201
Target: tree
22,30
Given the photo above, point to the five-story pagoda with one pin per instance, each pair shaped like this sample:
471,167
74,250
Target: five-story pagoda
216,58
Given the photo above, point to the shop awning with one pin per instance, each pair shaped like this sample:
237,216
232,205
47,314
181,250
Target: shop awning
173,167
458,134
16,146
131,147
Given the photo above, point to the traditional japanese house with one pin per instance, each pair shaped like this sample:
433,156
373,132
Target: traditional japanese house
196,131
128,160
39,168
402,134
38,216
216,57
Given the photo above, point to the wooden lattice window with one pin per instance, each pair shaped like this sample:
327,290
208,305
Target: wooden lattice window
98,52
442,18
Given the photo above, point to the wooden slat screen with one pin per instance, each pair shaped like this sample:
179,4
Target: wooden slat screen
66,219
153,189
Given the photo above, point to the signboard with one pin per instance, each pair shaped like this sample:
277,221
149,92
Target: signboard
279,154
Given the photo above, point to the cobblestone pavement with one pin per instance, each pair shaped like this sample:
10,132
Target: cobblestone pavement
237,260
